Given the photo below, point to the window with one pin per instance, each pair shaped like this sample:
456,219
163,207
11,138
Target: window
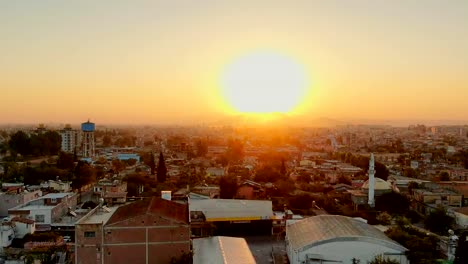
89,234
53,200
39,218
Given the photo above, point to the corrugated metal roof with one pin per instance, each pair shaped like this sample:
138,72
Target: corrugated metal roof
325,228
222,250
230,209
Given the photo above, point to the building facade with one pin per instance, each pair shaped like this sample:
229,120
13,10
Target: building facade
147,231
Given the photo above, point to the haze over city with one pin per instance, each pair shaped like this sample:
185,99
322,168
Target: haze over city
150,62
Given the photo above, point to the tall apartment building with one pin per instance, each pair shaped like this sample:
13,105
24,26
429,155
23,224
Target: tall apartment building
71,139
87,143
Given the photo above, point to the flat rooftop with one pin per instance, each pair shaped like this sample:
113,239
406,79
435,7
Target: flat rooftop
56,195
98,216
33,206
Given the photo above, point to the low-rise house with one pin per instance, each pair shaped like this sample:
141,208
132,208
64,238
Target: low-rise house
23,226
112,191
46,210
57,185
7,234
431,197
16,196
215,171
250,190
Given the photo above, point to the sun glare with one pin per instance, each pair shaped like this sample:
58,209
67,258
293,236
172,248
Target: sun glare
264,82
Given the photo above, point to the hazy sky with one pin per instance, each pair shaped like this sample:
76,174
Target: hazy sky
159,61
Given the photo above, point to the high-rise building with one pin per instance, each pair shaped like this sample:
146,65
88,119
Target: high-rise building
87,143
71,139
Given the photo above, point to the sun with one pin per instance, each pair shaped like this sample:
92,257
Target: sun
264,83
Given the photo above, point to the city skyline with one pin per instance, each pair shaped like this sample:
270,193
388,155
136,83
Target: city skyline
157,62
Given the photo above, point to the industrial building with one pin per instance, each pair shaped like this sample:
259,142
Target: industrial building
230,217
338,239
221,250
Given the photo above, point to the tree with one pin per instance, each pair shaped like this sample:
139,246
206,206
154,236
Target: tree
393,203
118,165
383,260
65,161
152,164
444,176
227,187
19,143
438,221
381,171
161,172
410,173
84,174
411,186
235,151
106,140
202,148
461,254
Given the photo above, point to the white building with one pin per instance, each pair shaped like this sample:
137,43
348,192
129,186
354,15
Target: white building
7,234
339,239
23,226
46,210
71,139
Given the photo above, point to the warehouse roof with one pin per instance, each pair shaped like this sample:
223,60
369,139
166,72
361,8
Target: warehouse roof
221,250
317,230
231,210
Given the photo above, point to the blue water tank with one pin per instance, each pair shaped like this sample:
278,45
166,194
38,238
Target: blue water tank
87,127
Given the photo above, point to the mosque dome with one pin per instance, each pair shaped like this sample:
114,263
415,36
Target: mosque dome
379,185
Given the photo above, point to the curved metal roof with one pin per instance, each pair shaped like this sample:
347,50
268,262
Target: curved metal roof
317,230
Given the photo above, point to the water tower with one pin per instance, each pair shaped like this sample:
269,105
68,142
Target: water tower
87,143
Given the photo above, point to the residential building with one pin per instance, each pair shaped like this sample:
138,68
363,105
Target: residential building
46,210
7,234
340,239
153,230
14,196
428,199
23,226
250,190
71,139
112,191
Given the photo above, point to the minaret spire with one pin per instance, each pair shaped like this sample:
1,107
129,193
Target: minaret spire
371,181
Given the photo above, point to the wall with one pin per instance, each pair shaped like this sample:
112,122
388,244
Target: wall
23,228
88,249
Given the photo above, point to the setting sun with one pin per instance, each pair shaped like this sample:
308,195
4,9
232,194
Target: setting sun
264,82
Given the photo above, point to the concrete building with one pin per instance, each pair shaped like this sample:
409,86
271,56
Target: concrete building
13,197
222,250
113,192
46,210
7,234
71,139
338,239
87,142
57,185
147,231
23,226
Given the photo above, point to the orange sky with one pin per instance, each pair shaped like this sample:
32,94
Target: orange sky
160,61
